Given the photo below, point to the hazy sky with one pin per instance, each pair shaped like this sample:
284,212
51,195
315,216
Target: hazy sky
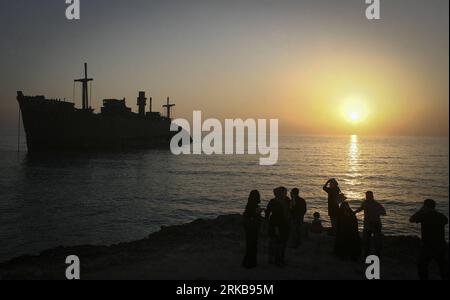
313,64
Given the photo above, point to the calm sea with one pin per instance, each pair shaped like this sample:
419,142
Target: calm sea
48,201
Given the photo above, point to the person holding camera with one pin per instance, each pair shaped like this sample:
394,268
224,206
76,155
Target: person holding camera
333,191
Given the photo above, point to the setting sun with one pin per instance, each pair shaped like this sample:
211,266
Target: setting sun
354,109
354,116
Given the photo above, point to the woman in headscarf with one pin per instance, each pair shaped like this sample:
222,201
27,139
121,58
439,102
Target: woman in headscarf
348,241
252,224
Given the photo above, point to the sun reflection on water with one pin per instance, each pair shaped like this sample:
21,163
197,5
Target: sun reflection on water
353,171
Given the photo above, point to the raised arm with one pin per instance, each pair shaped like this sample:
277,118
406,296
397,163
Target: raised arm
325,187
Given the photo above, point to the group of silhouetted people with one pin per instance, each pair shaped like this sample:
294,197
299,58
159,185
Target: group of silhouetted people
285,220
344,223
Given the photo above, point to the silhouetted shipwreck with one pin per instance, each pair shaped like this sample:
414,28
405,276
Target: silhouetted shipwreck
55,125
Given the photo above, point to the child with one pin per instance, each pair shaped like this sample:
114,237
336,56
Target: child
316,225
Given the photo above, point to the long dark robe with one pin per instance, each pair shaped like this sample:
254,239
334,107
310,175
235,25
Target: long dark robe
252,224
348,241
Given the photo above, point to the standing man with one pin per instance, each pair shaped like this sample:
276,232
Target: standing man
333,191
277,213
373,227
298,212
434,246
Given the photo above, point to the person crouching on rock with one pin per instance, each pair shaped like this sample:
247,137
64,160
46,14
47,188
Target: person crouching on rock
316,224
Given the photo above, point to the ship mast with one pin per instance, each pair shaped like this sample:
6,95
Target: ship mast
168,106
84,82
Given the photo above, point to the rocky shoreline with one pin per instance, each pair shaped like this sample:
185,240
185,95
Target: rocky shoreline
210,250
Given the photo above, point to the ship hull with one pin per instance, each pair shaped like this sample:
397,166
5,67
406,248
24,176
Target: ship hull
52,125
